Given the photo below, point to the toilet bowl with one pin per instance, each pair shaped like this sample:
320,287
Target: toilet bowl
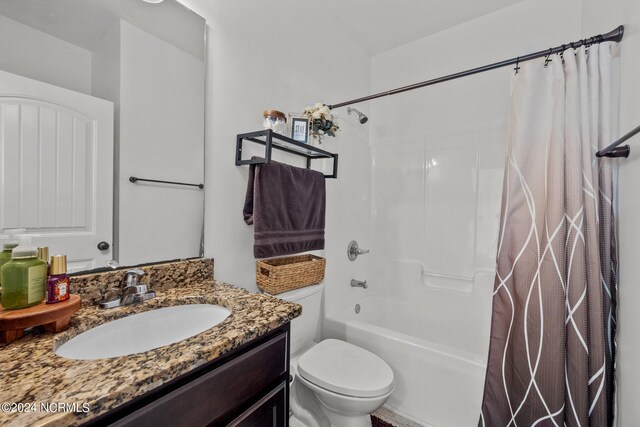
336,383
347,411
348,381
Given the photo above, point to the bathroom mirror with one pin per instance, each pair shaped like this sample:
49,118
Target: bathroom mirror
93,93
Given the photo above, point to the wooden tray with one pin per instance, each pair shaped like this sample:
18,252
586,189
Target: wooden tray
54,318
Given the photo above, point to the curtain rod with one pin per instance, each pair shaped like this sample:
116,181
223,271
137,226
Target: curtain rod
615,35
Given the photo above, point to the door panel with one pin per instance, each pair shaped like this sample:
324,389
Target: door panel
56,168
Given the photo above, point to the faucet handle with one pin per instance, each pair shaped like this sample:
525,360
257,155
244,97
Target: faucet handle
353,250
137,289
133,276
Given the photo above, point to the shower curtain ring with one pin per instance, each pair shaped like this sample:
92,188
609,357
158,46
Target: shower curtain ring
517,65
561,53
547,58
575,48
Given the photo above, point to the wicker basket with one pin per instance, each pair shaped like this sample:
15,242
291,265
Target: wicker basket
279,275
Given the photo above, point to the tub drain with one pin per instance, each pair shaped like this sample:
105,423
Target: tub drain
357,308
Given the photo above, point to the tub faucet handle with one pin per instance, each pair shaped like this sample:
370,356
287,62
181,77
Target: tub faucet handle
353,250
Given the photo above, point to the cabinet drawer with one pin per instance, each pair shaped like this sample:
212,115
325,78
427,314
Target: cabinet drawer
270,411
216,394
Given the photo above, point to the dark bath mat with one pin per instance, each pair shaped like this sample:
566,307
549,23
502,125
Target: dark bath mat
377,422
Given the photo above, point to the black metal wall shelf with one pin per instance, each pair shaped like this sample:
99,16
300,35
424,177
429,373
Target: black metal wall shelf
272,140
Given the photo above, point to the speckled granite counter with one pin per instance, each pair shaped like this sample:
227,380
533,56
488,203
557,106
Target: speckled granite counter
31,373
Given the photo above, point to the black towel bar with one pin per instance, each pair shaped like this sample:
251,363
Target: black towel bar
135,179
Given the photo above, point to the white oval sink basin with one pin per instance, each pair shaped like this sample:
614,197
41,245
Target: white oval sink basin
143,331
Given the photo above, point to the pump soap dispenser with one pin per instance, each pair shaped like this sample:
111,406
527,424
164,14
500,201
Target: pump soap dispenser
23,278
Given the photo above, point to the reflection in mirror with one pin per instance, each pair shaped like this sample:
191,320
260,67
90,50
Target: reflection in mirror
93,92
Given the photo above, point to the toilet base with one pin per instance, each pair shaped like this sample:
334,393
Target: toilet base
333,420
340,420
345,411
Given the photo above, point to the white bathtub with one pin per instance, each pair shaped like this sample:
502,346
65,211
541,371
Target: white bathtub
436,385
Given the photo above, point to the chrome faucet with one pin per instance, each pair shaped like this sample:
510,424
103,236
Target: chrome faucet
359,284
132,291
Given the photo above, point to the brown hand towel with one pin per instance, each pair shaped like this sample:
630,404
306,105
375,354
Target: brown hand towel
286,206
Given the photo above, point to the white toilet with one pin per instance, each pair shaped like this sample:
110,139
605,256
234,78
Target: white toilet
335,383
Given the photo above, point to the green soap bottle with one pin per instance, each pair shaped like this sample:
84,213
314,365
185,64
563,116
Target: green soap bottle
23,278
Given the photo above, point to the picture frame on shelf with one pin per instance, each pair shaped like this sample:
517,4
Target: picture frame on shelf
300,129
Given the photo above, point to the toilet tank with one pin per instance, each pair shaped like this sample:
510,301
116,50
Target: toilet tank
305,329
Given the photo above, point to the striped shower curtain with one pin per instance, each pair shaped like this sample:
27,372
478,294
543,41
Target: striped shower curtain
554,302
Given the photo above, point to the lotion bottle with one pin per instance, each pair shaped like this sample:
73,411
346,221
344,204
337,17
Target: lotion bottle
58,281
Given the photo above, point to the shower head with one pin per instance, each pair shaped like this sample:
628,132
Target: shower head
362,118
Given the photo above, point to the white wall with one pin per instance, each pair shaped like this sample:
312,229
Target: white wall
599,17
161,137
37,55
285,57
628,375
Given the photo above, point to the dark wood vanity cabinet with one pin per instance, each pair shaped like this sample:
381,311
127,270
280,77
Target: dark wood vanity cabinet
248,387
271,410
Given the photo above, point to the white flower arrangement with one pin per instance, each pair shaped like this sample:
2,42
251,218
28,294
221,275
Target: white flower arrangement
321,120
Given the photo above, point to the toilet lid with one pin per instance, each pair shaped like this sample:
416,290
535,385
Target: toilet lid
346,369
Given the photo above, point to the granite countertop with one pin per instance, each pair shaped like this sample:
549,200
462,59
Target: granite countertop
32,373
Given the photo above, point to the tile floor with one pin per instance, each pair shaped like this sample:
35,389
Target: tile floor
384,417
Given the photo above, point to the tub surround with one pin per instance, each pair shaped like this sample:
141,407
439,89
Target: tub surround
31,372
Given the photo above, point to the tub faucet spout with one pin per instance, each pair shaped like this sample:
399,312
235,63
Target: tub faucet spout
359,284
